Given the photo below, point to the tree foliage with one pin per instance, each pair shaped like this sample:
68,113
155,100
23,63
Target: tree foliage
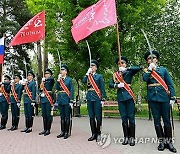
133,16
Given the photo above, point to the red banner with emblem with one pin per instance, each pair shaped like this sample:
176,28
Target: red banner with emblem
32,31
98,16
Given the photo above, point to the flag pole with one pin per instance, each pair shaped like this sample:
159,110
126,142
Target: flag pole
118,42
2,67
89,53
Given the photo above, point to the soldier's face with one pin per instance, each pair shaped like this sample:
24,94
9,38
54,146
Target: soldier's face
154,60
123,64
6,80
63,72
29,77
16,79
94,68
47,75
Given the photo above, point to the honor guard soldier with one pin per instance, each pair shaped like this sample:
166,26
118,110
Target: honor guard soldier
46,100
126,99
29,101
160,96
95,99
65,97
15,101
4,100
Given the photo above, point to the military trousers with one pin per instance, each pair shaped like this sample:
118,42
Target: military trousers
64,111
126,110
95,110
160,109
46,111
28,110
4,106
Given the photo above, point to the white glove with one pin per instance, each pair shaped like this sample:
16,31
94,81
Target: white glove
102,103
122,69
151,66
0,83
71,105
33,104
12,82
23,82
18,104
120,85
56,104
43,79
59,76
172,103
89,71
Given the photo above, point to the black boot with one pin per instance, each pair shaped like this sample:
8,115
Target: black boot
48,128
98,130
3,123
45,127
30,125
26,122
125,131
168,135
160,135
132,134
67,123
13,124
16,124
93,130
62,129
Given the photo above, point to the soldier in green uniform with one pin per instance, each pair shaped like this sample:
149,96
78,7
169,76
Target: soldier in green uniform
46,100
15,100
160,99
4,101
65,99
95,99
126,100
29,101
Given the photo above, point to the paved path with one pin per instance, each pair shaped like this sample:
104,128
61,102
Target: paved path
17,143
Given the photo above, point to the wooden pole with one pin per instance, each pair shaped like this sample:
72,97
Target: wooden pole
118,42
42,44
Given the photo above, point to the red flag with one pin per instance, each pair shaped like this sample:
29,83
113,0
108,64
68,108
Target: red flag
98,16
32,31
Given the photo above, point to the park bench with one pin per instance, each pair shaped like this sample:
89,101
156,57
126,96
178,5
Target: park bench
108,107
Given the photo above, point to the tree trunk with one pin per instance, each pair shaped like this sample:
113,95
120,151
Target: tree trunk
139,100
39,60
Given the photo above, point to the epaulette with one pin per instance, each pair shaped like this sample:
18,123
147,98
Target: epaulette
146,70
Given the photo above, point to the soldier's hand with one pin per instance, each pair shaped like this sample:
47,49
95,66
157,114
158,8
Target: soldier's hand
102,103
172,103
43,79
33,103
18,104
0,83
122,69
120,85
152,66
71,104
89,71
12,82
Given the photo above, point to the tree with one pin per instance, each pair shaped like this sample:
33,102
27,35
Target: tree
11,20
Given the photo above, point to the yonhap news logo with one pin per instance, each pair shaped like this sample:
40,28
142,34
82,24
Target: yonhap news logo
106,140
